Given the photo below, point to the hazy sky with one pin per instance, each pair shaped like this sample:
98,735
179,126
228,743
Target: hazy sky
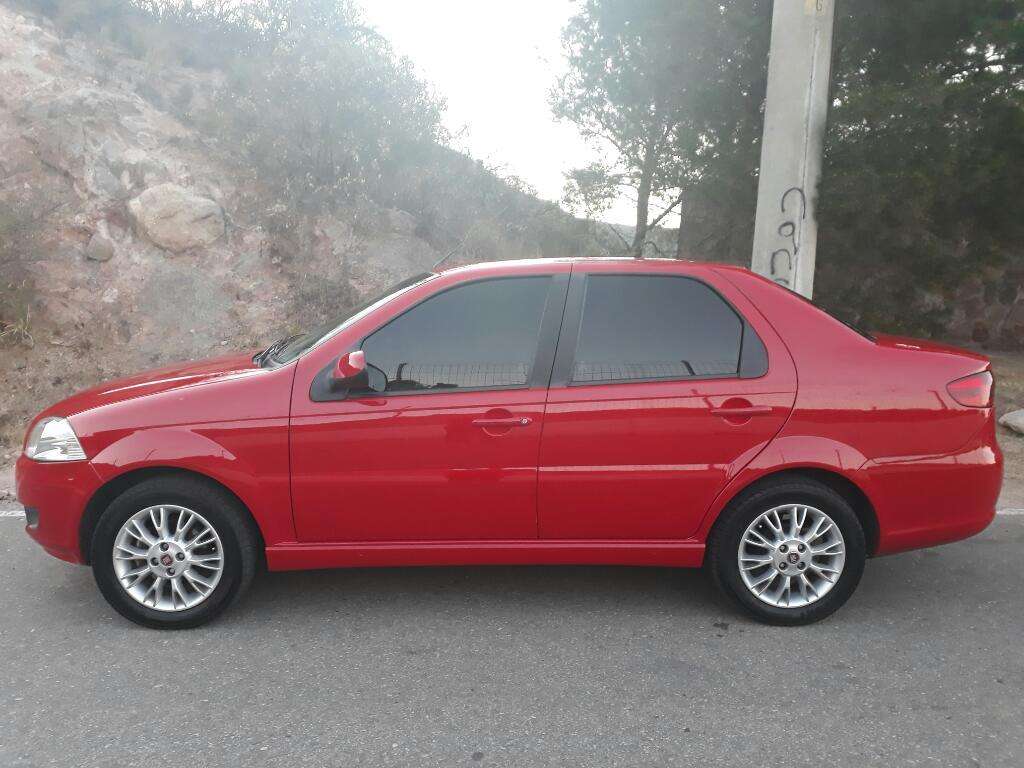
494,64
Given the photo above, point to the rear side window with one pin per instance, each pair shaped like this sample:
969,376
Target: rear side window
652,327
477,335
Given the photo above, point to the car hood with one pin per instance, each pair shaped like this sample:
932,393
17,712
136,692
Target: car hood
154,381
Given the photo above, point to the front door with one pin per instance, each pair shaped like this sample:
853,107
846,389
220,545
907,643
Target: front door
661,392
449,450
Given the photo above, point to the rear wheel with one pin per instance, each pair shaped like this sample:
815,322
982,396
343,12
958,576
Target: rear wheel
789,552
173,552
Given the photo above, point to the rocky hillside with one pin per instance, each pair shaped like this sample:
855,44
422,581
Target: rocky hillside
129,238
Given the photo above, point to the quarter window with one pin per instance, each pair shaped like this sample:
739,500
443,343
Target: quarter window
651,327
474,336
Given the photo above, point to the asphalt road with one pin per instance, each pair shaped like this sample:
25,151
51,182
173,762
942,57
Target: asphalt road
521,666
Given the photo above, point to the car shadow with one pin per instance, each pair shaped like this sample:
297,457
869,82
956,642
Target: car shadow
449,588
925,584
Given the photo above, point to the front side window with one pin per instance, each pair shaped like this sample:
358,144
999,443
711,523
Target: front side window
638,327
473,336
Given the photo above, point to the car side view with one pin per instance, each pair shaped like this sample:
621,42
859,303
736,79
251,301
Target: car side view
601,411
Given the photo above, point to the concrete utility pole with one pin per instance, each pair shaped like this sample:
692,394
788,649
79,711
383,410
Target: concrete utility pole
786,227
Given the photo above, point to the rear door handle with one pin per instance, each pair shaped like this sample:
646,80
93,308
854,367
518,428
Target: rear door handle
742,411
507,421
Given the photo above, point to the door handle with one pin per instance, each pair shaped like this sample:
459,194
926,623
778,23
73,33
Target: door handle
742,411
506,421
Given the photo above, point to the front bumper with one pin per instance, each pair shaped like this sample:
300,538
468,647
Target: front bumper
57,492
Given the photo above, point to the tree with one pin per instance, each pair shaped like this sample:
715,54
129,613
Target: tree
921,216
720,142
622,91
661,84
322,105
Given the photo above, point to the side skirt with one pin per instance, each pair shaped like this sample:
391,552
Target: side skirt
296,556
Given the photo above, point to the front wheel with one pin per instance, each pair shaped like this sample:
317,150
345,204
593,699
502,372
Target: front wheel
790,552
173,552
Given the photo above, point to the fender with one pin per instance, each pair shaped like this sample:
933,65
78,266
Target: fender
788,453
264,489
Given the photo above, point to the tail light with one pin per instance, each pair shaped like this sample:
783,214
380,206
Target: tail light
974,390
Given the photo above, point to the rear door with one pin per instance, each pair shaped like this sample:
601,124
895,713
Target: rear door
666,383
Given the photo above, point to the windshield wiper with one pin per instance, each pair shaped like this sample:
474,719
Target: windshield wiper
273,349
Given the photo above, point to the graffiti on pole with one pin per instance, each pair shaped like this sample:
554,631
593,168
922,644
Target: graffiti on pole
782,263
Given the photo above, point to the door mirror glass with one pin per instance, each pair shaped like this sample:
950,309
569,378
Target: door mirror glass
376,380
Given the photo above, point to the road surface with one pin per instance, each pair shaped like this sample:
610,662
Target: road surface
573,666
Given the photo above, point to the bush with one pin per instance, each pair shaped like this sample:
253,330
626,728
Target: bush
18,230
325,114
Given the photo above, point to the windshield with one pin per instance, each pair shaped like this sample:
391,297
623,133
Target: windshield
298,344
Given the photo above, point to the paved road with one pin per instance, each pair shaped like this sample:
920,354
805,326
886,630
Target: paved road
521,666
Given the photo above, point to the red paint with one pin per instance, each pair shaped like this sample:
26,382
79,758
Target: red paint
646,460
624,473
350,365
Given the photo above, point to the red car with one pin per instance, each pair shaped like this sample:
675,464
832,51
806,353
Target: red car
611,411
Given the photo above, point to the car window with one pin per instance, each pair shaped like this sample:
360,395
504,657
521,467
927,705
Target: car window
651,327
478,335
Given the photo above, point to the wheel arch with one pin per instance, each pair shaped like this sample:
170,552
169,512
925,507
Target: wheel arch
841,484
114,487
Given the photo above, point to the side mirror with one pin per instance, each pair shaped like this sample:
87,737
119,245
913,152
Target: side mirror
350,371
353,373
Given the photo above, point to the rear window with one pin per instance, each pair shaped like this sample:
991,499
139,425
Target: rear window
637,327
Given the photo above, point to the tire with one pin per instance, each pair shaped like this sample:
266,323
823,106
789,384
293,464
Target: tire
199,591
788,502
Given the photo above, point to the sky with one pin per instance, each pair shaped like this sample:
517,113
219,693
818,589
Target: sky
494,64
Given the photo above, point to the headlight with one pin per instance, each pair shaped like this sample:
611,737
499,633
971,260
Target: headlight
53,439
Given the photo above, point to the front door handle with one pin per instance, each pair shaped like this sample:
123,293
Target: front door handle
506,421
741,411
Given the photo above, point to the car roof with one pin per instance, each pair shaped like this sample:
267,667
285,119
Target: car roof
512,265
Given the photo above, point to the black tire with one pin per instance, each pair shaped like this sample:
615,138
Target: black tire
723,563
232,523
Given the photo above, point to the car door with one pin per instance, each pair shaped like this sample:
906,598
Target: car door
448,451
666,383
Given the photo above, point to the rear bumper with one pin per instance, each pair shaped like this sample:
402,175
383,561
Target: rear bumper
924,501
57,493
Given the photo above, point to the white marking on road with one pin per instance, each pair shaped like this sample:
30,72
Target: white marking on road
12,513
1010,512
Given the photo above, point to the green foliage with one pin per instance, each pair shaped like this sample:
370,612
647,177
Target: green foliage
921,217
592,189
721,142
326,115
622,92
451,195
923,163
662,85
324,109
18,228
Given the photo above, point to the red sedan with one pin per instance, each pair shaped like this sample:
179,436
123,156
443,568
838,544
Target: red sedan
553,411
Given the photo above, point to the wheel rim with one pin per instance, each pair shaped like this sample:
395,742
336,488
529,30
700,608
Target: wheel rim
791,556
168,558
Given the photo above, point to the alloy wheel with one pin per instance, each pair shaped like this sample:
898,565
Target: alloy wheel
791,555
168,558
